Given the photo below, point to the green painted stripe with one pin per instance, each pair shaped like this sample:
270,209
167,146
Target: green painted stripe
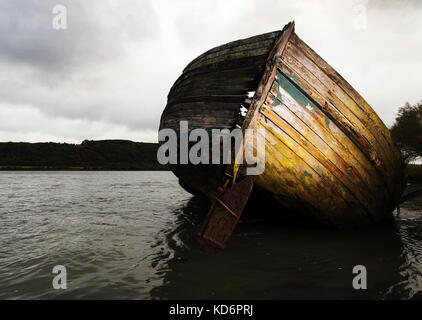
327,121
296,94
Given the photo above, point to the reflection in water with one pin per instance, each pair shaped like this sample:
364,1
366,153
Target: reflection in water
409,225
131,235
266,261
104,227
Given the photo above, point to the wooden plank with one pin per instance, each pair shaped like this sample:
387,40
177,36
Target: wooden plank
257,61
249,74
329,132
326,107
289,176
244,84
328,113
250,47
257,38
269,75
205,106
380,130
312,77
229,57
225,120
241,72
199,122
235,44
362,119
324,156
218,91
237,99
320,166
347,88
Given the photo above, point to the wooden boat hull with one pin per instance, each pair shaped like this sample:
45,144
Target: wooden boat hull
328,155
208,95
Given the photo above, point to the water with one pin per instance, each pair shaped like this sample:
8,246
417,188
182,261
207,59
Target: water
130,235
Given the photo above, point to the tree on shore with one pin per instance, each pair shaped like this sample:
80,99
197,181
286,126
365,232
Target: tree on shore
407,131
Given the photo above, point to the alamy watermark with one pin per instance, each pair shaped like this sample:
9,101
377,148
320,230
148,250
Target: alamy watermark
360,16
59,21
60,281
197,147
360,281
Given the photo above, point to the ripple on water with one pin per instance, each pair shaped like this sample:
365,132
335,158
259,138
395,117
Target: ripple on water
130,235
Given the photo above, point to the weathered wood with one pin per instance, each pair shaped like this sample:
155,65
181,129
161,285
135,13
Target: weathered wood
332,114
226,87
238,43
249,48
229,57
221,90
288,174
232,76
327,156
346,105
269,73
348,89
344,112
225,213
262,37
381,132
244,77
321,157
207,105
329,133
204,99
257,61
222,75
223,122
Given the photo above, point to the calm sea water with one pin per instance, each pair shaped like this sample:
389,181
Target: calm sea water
130,235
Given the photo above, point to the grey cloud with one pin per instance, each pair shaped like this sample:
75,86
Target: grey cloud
96,32
64,73
123,108
110,72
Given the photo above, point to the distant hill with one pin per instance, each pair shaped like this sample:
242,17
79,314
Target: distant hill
89,155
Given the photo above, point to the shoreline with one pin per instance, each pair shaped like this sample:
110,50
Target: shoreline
412,171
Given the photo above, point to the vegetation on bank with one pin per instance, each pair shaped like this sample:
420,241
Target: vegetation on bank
407,131
89,155
407,134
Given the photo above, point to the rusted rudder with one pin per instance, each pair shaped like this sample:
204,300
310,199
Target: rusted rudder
225,213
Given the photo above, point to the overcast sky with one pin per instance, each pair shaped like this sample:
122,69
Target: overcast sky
107,76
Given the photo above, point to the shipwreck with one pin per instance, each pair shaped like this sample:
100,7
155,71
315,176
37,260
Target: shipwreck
328,155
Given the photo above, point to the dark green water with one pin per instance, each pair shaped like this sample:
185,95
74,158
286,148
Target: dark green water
130,235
